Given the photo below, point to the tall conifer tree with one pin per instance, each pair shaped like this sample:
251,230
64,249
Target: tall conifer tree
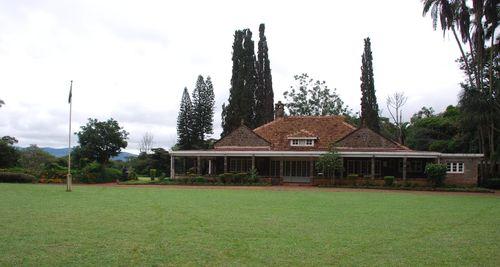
203,111
185,122
241,104
369,106
264,96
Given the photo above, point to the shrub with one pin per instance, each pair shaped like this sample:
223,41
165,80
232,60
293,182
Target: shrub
152,173
240,178
200,180
493,183
389,180
436,173
253,176
132,175
11,177
225,178
96,173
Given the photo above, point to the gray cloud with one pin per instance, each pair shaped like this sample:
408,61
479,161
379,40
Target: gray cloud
130,60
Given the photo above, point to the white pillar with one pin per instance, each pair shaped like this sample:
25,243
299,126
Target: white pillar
210,167
172,167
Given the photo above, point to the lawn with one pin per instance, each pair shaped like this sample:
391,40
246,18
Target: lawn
94,225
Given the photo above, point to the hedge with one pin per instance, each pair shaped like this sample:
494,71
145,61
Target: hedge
11,177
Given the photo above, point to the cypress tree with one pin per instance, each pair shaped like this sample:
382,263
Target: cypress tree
241,103
369,106
185,122
264,95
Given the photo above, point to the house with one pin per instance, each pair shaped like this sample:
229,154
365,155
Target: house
286,149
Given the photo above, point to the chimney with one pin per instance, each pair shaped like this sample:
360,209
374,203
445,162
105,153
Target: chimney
279,110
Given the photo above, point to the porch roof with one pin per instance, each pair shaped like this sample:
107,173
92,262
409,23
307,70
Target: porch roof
354,154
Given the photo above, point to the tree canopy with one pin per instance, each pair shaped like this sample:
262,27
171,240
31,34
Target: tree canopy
369,105
310,97
101,140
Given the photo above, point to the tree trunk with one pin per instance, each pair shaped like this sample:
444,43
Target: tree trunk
468,69
492,148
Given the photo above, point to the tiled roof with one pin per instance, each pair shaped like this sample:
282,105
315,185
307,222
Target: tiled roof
244,138
327,129
365,139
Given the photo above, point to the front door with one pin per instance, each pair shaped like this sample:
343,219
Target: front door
296,171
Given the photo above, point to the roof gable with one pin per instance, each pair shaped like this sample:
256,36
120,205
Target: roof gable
242,137
327,130
367,139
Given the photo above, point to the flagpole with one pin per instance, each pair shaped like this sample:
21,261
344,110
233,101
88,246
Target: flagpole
68,178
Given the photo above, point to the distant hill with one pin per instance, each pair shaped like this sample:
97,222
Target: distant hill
60,152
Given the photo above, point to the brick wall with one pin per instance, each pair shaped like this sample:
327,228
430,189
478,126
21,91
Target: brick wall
468,177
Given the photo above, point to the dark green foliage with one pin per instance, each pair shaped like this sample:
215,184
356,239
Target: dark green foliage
481,108
436,173
441,132
330,162
264,95
35,159
152,174
389,180
241,103
53,170
12,177
203,111
369,105
98,173
159,160
310,97
9,155
493,183
101,140
185,123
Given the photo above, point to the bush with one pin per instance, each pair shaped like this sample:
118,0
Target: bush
10,177
152,173
436,173
253,176
96,173
225,178
493,183
389,180
240,178
200,180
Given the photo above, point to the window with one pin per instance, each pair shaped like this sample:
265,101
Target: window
363,166
240,164
275,168
302,142
455,167
296,168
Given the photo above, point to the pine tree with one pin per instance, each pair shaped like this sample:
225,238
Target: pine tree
197,133
241,104
369,106
203,111
264,95
185,122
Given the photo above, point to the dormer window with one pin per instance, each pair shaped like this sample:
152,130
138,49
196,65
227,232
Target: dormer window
302,142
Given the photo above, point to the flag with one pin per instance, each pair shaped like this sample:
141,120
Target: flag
70,92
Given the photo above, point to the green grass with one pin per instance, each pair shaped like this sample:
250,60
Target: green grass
44,225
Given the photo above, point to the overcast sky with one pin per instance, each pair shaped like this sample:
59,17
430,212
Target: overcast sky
130,60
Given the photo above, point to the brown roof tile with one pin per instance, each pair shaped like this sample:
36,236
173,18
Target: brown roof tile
365,139
327,129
